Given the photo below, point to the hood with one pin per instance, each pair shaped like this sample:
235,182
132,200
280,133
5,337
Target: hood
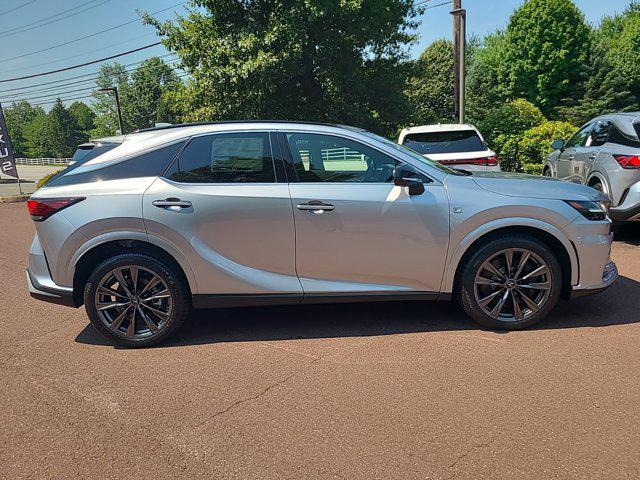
534,186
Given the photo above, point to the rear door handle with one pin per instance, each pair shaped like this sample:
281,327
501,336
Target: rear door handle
171,203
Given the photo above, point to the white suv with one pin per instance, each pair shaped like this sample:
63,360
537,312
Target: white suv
459,146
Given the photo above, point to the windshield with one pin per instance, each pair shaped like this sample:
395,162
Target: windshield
453,141
415,155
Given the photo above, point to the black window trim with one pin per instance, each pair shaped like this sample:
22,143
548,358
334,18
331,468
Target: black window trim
187,141
293,174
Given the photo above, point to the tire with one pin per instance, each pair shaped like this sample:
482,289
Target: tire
526,298
159,300
547,172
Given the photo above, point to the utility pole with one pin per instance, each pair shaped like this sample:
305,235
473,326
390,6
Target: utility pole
117,98
459,45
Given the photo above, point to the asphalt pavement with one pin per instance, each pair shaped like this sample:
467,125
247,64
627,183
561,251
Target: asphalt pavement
368,391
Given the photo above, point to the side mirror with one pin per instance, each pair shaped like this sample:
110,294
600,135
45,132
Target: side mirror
558,144
406,176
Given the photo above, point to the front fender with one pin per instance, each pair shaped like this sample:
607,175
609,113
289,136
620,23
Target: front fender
456,254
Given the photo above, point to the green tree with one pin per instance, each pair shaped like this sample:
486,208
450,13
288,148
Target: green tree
339,61
18,116
142,96
484,90
511,118
84,117
546,49
56,134
430,89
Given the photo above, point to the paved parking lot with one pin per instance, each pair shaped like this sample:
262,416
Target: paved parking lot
379,391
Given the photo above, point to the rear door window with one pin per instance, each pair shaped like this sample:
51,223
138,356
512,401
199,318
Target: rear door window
456,141
226,158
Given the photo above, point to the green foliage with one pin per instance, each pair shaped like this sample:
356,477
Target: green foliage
511,118
18,116
545,53
483,89
532,168
338,61
84,117
527,152
142,97
43,181
430,89
56,134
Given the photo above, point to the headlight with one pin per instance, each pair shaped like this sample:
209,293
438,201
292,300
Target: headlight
594,211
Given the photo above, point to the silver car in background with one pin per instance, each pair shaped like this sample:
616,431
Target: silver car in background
147,226
604,154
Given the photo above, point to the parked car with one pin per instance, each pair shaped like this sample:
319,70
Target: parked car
455,145
263,213
603,154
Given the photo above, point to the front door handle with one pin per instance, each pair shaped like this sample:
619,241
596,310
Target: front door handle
315,207
171,203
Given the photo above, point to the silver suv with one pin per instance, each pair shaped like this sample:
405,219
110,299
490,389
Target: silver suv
149,225
604,154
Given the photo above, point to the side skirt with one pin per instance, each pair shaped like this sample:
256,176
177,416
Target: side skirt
255,300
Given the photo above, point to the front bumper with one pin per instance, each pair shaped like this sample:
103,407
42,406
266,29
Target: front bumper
609,275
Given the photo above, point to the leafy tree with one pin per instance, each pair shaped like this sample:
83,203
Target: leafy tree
546,49
56,134
430,89
18,116
142,96
484,90
339,61
84,117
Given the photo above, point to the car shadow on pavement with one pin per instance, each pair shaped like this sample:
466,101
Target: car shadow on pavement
616,306
627,233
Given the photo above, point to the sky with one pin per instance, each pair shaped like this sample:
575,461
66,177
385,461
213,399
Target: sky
28,26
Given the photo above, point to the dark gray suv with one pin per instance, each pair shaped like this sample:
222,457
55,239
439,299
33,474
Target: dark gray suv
604,154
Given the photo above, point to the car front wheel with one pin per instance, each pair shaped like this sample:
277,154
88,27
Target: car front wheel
135,300
510,283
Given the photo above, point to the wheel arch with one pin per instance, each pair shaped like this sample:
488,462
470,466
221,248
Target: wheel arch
595,177
95,252
542,231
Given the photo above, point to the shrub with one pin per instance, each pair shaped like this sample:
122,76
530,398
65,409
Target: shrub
532,168
535,144
43,181
512,118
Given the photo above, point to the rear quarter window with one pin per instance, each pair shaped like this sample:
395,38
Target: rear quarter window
151,163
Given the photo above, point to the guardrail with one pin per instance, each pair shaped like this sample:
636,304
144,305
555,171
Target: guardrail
43,161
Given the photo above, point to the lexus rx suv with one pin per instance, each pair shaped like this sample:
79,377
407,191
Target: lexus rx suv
147,226
604,154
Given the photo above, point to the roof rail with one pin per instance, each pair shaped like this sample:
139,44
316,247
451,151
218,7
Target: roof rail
223,122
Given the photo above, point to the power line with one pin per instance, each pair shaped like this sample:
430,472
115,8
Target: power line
76,76
81,64
19,6
78,88
43,21
40,64
437,5
88,36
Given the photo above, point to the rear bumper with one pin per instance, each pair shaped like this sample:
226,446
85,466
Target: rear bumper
609,275
629,209
50,293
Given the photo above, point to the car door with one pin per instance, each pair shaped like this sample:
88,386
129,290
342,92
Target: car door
357,233
223,207
565,165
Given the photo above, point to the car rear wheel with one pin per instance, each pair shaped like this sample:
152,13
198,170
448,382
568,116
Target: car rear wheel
510,283
135,300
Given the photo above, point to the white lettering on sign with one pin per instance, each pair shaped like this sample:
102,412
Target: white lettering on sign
4,153
7,166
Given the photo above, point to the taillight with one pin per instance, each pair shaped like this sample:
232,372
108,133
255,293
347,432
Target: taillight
41,209
628,161
483,162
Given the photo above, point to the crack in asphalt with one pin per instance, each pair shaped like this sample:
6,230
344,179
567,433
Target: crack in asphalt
264,391
468,452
